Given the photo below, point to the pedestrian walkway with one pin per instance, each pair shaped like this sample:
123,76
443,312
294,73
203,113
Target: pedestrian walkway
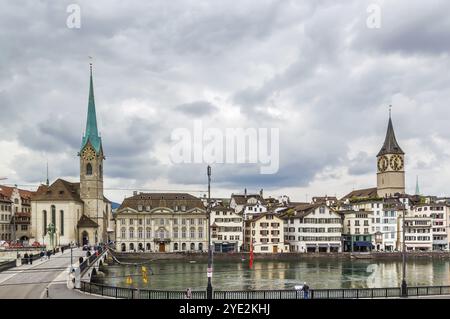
31,281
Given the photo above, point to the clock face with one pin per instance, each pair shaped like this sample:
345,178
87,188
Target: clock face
396,162
383,163
88,154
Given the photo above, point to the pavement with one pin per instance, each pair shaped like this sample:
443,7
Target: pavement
31,281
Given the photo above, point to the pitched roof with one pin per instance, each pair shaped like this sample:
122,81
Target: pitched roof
168,200
242,199
60,190
390,145
91,134
7,191
366,192
85,221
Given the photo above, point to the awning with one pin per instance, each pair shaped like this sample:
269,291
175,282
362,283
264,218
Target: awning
323,245
363,243
311,245
335,245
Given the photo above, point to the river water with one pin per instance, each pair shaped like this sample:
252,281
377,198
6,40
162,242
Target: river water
318,273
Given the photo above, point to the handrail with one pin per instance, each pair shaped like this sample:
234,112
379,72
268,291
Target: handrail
366,293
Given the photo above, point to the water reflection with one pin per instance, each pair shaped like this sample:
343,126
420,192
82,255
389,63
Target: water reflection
318,273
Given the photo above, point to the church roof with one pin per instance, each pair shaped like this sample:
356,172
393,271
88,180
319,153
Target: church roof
60,190
91,134
390,145
361,193
86,222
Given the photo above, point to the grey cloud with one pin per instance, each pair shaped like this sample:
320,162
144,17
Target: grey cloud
199,108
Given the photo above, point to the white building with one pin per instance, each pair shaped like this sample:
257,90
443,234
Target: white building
439,215
248,204
161,222
226,229
313,228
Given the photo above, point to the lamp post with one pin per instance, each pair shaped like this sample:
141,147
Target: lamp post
404,287
209,289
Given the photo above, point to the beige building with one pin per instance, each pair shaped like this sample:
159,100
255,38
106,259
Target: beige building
161,222
17,211
266,233
79,212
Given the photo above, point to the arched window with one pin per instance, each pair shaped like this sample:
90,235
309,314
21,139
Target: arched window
200,232
183,246
53,215
183,232
123,233
148,246
149,233
175,246
123,247
192,232
175,232
61,221
140,233
200,246
88,169
192,246
131,232
131,246
44,222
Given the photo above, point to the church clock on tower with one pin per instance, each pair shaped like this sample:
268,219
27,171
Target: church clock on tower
390,166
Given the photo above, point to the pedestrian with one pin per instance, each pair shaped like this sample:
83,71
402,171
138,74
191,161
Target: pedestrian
41,254
26,258
62,250
188,294
49,253
54,251
31,258
305,291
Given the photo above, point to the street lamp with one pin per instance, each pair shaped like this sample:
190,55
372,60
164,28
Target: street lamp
404,287
209,289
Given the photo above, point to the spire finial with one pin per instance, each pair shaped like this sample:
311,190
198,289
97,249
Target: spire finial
390,109
47,182
90,63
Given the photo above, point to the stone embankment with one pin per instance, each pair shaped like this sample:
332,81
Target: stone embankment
280,256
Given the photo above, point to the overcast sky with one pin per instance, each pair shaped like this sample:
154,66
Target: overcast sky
313,69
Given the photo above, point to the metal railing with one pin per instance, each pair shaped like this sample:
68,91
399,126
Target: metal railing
363,293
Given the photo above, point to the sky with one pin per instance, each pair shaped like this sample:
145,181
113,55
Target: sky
321,72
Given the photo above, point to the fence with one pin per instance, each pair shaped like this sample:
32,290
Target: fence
133,293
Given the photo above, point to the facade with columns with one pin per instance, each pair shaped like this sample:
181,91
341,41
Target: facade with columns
78,212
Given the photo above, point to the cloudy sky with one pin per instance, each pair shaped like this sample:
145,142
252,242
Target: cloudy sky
313,69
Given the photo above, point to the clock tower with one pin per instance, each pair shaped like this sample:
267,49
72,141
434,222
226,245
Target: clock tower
91,167
390,165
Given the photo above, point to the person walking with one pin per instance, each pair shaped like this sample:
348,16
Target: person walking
31,258
26,258
49,253
305,291
188,294
41,254
62,250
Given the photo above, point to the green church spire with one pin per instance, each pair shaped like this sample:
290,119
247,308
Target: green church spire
91,133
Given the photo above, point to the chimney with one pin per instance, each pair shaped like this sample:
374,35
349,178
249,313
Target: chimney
134,193
261,193
245,192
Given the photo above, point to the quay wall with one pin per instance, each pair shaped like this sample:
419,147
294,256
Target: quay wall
125,256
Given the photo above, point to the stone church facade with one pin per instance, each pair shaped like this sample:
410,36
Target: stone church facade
78,212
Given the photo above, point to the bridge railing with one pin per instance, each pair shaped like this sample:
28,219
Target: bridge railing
368,293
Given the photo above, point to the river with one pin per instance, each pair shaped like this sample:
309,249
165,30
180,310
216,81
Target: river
318,273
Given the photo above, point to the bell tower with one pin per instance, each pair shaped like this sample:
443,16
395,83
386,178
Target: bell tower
390,165
91,164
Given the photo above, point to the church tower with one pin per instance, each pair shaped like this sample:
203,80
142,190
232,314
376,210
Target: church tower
91,165
390,164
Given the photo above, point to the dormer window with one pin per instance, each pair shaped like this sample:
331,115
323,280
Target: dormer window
140,208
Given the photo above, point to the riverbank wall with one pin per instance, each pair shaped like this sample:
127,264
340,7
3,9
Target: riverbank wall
121,256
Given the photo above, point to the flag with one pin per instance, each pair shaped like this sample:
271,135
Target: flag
251,256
